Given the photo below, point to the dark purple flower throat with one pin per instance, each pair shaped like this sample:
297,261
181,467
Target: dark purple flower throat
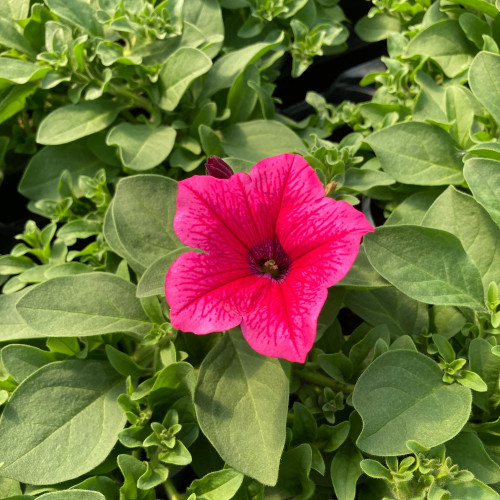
269,260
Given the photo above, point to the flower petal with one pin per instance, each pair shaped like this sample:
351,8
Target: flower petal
279,183
284,320
208,294
213,214
322,239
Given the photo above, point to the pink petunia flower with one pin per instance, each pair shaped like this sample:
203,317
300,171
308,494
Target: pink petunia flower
273,244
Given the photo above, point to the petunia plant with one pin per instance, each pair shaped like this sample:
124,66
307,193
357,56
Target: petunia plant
219,295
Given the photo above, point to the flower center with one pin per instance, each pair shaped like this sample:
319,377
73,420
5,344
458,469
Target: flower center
269,260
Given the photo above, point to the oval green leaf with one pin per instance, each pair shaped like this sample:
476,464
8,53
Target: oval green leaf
484,81
259,139
483,177
72,495
241,402
141,147
143,212
426,264
152,282
418,153
73,121
401,397
47,442
461,215
178,72
82,305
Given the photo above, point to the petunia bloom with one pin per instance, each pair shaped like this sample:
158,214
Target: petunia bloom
273,244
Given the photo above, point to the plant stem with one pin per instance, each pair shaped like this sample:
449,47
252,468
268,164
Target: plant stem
172,493
319,379
137,100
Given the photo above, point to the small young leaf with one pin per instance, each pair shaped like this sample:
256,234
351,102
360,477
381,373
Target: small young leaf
345,471
472,380
218,485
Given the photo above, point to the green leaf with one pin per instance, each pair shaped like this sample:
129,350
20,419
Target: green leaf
426,264
73,121
11,36
417,153
375,469
295,468
12,325
143,211
14,99
218,485
388,306
487,366
467,451
447,320
472,381
483,178
460,113
459,214
41,178
241,402
132,469
204,18
72,495
79,12
82,305
227,68
242,98
430,103
20,9
304,427
444,348
141,147
376,28
362,274
333,435
401,397
413,209
484,81
20,71
259,139
111,237
178,72
446,43
472,489
123,363
152,282
41,438
21,361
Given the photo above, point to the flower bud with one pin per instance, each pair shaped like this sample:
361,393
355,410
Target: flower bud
216,167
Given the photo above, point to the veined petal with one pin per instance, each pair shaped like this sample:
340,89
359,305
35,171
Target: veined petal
208,294
322,239
281,183
213,214
284,320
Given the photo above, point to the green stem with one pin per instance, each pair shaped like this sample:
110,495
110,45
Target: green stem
137,100
323,380
172,493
